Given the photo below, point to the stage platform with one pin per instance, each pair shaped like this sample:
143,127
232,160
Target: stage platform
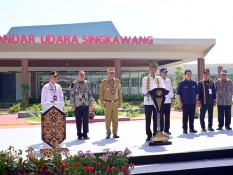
185,148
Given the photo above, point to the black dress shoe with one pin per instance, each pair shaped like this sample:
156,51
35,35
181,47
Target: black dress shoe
219,128
185,131
192,131
210,129
228,128
86,138
115,136
79,137
203,129
147,139
167,133
108,137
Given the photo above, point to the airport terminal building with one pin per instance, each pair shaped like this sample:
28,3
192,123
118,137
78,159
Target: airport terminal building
29,53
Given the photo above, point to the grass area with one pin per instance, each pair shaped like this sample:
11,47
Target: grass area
34,118
136,115
120,113
4,110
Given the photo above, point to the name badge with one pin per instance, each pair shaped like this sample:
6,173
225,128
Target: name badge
210,91
54,98
112,91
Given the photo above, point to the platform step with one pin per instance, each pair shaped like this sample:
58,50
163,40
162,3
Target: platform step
206,167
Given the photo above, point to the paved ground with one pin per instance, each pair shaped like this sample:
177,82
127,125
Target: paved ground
23,134
132,135
12,120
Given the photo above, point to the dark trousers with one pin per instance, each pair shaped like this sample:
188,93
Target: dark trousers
203,110
224,110
148,112
82,117
188,115
165,117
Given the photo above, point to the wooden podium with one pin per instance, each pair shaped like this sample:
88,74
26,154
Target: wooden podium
53,125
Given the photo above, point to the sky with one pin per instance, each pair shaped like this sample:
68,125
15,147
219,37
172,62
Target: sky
208,19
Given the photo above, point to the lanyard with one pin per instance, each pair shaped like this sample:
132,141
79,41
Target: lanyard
54,91
110,83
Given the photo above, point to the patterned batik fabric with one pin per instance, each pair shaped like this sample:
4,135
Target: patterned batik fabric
81,93
224,91
53,125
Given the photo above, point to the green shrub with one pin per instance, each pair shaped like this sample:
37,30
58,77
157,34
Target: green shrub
34,108
131,110
133,97
99,110
176,106
141,105
124,105
69,112
15,108
67,103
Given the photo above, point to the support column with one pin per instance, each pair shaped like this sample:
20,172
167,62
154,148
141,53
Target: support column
33,85
117,65
200,67
24,64
219,70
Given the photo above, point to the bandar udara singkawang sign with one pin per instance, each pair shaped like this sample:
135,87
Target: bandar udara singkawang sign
67,39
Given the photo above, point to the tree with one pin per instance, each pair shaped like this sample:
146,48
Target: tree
179,76
25,89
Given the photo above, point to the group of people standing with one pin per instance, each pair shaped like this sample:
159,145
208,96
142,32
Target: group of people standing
82,101
205,94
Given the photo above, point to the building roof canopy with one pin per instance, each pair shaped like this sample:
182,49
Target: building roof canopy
176,50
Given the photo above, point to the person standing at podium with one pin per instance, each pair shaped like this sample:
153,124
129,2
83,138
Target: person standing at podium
149,83
81,99
52,92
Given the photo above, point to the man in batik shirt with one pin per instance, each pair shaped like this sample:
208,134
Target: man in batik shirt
81,99
224,91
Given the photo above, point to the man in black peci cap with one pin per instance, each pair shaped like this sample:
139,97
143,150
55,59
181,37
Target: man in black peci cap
206,99
53,73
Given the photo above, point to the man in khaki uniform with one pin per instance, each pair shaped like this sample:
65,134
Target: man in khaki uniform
111,100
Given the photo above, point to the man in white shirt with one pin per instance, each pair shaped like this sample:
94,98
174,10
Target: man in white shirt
52,92
165,114
149,83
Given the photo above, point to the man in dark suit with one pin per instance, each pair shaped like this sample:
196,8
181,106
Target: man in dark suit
187,94
206,100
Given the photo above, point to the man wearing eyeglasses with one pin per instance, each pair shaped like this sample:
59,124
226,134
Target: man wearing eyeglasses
81,99
224,92
111,100
52,92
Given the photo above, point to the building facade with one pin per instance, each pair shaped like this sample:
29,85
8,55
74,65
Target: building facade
28,54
